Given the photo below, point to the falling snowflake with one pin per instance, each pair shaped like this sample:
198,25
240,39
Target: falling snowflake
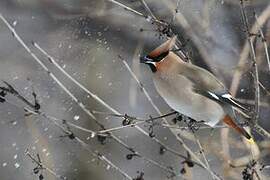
17,165
76,117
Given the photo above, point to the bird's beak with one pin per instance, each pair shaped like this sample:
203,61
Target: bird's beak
148,60
145,60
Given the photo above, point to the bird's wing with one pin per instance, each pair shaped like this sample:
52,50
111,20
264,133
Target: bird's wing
206,84
222,97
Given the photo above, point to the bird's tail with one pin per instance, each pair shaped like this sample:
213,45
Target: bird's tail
228,120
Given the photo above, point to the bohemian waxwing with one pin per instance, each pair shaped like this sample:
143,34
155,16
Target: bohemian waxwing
191,90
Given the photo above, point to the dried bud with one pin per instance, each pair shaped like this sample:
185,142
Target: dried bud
183,171
190,163
162,150
36,170
41,177
71,136
101,139
129,156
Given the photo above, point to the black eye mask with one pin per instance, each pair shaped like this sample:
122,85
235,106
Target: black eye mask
159,57
148,59
144,59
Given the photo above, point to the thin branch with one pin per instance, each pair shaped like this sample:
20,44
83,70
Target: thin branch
98,99
97,154
261,20
134,152
17,37
12,91
187,128
132,124
176,10
127,8
262,86
263,40
68,132
251,102
86,146
161,24
255,67
256,114
261,130
80,104
179,139
137,12
42,166
148,9
202,152
40,113
94,96
103,158
189,30
89,149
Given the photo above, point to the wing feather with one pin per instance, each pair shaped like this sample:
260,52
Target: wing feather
206,84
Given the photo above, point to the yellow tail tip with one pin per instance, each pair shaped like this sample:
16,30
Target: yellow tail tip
251,141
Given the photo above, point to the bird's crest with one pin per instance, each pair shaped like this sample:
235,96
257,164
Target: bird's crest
163,48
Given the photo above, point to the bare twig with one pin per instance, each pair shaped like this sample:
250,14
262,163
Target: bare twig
11,90
89,149
262,86
127,8
95,153
137,12
181,19
103,158
148,9
254,123
98,99
261,20
80,104
134,152
251,102
201,127
176,10
42,166
201,150
45,67
132,124
263,40
68,132
179,139
160,24
236,81
255,68
93,133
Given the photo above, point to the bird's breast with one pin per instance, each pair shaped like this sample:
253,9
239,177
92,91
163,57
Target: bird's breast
178,93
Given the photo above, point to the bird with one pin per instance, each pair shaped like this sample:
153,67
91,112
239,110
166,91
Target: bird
191,90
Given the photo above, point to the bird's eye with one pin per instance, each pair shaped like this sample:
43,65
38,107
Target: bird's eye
145,59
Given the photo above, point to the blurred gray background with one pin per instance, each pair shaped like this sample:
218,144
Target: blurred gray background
86,37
